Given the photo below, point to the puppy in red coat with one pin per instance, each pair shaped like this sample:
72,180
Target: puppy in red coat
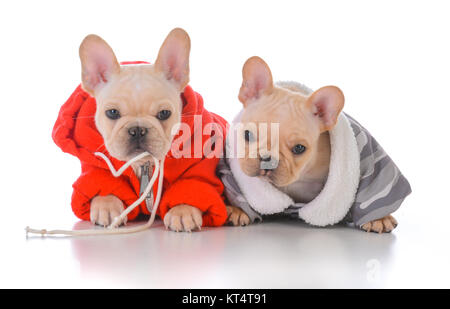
125,110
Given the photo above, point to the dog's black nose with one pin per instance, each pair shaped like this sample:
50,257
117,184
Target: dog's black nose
137,132
266,158
267,162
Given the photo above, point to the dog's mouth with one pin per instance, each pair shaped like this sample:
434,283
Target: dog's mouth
266,175
270,177
136,150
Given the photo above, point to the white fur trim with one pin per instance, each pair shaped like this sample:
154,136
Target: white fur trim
336,197
338,194
300,87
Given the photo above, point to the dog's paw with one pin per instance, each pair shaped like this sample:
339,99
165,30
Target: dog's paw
383,225
237,216
183,218
105,208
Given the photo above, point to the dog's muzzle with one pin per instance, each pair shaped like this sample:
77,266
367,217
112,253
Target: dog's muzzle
268,163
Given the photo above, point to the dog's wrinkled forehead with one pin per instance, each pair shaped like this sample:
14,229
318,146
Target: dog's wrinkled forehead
138,86
282,107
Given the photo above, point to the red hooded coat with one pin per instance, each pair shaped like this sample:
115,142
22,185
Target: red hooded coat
191,181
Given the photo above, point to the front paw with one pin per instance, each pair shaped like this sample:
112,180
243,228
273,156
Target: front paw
383,225
237,216
183,218
105,208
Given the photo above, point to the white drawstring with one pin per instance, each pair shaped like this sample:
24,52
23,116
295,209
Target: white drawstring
113,227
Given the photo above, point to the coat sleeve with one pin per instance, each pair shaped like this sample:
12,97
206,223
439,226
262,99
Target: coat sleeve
382,187
198,186
95,181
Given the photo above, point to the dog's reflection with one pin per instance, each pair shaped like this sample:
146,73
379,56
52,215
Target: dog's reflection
278,253
155,258
298,255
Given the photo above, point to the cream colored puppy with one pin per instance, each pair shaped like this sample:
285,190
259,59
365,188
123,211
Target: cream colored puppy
144,103
303,143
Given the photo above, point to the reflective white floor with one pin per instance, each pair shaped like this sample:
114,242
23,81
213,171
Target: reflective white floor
278,253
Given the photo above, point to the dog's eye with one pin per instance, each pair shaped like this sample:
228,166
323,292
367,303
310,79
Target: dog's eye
164,114
248,135
112,114
298,149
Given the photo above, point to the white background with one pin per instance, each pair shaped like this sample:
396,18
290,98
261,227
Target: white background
390,58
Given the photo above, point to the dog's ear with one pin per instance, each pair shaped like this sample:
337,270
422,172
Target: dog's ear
98,63
326,104
173,58
256,80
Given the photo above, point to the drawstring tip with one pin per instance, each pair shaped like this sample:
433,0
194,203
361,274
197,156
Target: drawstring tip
43,232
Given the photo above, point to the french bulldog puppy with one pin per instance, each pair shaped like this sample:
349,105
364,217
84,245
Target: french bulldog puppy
137,108
302,154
